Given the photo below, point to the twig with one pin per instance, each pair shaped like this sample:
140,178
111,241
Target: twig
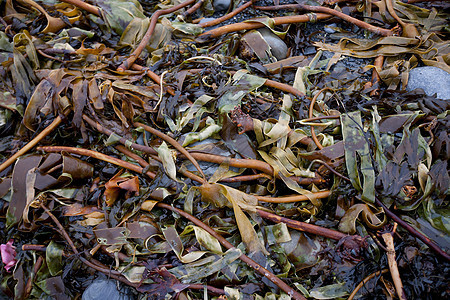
413,231
153,20
97,155
227,16
365,280
217,32
327,10
263,271
389,240
32,143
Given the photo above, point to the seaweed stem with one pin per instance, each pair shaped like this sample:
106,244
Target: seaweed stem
153,20
227,16
192,9
389,240
32,143
217,32
364,281
430,243
257,267
97,155
113,274
294,198
174,143
301,226
30,280
330,11
85,6
310,115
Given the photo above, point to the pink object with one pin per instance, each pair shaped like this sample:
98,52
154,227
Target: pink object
8,252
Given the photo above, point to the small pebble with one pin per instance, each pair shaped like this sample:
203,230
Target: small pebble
221,5
279,48
103,289
204,20
431,80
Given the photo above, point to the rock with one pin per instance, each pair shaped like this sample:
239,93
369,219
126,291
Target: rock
204,20
104,289
277,45
431,80
221,5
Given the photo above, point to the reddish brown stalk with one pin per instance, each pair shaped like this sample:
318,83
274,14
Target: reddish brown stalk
174,143
233,162
263,271
112,273
193,8
270,83
290,199
49,56
154,77
310,115
430,243
153,20
122,140
320,118
136,157
36,268
217,32
364,282
32,143
327,10
376,79
227,16
301,226
31,247
96,155
85,6
284,87
243,178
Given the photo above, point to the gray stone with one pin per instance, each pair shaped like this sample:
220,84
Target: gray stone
277,45
103,289
204,20
431,80
221,5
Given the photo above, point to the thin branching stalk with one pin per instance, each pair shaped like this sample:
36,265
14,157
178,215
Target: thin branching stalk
217,32
99,156
151,28
227,16
430,243
389,240
364,281
174,143
55,123
330,11
257,267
